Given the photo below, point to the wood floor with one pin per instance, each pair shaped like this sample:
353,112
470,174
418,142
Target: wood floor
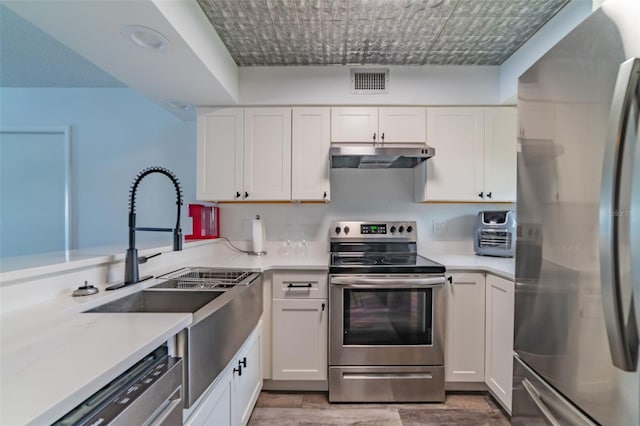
313,408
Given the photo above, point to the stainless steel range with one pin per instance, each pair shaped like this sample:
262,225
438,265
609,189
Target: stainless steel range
386,315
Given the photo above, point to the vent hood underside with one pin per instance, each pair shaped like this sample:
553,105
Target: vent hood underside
370,157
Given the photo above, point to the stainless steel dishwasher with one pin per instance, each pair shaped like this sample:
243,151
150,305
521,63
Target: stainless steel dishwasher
150,392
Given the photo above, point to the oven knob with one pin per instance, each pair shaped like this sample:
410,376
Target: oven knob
409,228
337,229
401,229
346,229
393,229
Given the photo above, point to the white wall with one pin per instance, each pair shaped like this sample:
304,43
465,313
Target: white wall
551,33
115,133
330,85
356,195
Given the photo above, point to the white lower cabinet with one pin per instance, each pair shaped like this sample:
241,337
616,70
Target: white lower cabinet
499,338
464,332
300,321
231,400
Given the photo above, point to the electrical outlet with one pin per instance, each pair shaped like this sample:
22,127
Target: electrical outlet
440,226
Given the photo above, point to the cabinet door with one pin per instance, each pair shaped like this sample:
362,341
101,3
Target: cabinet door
300,339
220,154
402,124
216,408
456,172
267,154
499,338
464,333
310,142
350,124
248,383
500,140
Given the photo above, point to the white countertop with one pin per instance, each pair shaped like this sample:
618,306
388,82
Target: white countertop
53,356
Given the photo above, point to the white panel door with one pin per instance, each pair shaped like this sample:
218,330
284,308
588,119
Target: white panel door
354,124
267,154
499,338
500,141
217,407
456,172
464,332
220,154
402,124
300,339
310,143
248,383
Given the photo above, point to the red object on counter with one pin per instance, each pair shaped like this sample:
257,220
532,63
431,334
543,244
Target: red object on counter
206,224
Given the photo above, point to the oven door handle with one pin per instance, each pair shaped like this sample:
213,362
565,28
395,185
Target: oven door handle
359,282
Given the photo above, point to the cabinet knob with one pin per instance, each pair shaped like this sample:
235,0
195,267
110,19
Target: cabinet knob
450,279
323,307
242,363
481,195
382,137
238,370
374,137
237,195
324,195
246,194
488,195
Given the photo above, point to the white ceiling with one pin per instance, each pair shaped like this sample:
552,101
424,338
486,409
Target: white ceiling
31,58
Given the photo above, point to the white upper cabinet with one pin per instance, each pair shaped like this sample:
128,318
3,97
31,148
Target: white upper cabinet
378,125
402,124
456,171
267,154
354,124
219,160
310,154
500,140
475,158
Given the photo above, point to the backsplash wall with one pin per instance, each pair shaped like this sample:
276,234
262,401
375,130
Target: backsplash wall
357,195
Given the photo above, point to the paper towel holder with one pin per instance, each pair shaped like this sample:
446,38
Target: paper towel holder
261,252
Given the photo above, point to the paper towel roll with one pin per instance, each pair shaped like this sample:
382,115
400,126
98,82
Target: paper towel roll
258,235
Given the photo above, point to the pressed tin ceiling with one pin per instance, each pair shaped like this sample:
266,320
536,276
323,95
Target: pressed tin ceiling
381,32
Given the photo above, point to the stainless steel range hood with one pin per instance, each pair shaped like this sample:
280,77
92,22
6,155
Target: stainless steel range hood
370,157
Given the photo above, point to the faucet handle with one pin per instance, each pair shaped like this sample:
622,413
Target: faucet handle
143,259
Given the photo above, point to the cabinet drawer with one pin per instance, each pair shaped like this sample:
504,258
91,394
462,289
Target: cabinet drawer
300,285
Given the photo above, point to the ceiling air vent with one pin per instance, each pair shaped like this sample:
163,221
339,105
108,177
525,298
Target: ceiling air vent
369,81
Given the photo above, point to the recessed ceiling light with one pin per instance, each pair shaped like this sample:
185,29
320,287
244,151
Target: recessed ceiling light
181,106
145,37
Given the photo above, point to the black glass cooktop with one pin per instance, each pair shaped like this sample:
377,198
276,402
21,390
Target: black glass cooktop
346,263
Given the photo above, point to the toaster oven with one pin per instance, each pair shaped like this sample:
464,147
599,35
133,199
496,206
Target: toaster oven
495,232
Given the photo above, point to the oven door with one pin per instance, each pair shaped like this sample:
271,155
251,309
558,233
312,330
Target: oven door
393,319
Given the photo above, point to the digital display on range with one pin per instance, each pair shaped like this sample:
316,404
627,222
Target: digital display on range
373,229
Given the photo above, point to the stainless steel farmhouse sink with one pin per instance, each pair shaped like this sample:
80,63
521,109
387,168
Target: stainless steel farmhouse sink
226,306
160,301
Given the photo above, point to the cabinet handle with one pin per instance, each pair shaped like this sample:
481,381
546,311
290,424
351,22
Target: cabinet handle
374,137
324,195
299,285
450,279
246,194
323,307
488,195
481,195
382,137
237,195
238,370
242,363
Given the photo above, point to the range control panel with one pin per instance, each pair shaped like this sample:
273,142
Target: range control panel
353,230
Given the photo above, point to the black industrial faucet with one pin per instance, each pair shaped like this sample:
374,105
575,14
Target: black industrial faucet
131,274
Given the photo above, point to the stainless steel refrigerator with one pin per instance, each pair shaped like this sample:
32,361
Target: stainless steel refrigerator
578,247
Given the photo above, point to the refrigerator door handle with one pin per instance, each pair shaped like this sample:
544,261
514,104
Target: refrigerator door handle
622,344
539,403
